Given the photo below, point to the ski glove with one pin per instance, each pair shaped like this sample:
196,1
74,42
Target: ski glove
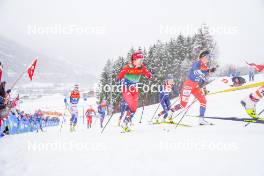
212,70
8,91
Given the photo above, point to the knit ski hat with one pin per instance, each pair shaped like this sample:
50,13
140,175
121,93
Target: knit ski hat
137,55
204,53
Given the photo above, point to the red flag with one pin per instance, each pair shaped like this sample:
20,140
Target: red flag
1,73
258,68
31,69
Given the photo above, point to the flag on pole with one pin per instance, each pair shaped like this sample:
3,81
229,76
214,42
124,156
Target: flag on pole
31,69
258,68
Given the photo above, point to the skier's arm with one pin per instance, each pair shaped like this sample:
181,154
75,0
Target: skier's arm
122,73
94,112
146,72
196,69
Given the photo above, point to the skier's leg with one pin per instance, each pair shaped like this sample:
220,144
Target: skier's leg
167,107
131,98
101,121
200,96
163,105
91,121
71,123
74,122
134,107
123,109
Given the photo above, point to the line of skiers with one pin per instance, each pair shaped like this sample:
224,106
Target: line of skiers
195,85
72,107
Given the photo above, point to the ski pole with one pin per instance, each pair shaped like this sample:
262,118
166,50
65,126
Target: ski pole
143,108
187,109
156,110
155,113
62,120
115,109
261,112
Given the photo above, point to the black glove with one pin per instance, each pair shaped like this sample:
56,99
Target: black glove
206,92
212,70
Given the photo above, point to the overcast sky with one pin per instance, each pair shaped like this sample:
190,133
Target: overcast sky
112,27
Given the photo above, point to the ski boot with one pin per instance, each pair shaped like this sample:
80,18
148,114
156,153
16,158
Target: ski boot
156,119
170,120
125,125
74,128
204,122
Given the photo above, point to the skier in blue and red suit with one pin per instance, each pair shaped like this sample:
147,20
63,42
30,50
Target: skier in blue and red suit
195,84
74,100
102,110
131,75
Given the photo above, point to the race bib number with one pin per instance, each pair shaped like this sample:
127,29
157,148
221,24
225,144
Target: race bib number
185,99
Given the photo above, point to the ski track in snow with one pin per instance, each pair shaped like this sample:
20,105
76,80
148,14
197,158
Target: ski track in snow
227,148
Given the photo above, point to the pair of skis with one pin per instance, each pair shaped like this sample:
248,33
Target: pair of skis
255,119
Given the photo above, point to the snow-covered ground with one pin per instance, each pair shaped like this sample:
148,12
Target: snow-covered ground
227,148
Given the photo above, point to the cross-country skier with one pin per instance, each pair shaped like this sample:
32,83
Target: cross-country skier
130,76
250,102
89,115
75,95
102,110
195,84
74,100
165,102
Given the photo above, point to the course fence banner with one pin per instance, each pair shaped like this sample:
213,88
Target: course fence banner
16,125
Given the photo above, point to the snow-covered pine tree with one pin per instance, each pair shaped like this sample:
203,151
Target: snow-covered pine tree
203,40
106,79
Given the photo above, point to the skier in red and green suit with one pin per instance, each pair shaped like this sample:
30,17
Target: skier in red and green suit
130,76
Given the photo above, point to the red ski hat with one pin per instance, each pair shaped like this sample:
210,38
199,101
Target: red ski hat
137,55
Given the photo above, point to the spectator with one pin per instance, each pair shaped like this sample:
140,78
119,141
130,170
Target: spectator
251,74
